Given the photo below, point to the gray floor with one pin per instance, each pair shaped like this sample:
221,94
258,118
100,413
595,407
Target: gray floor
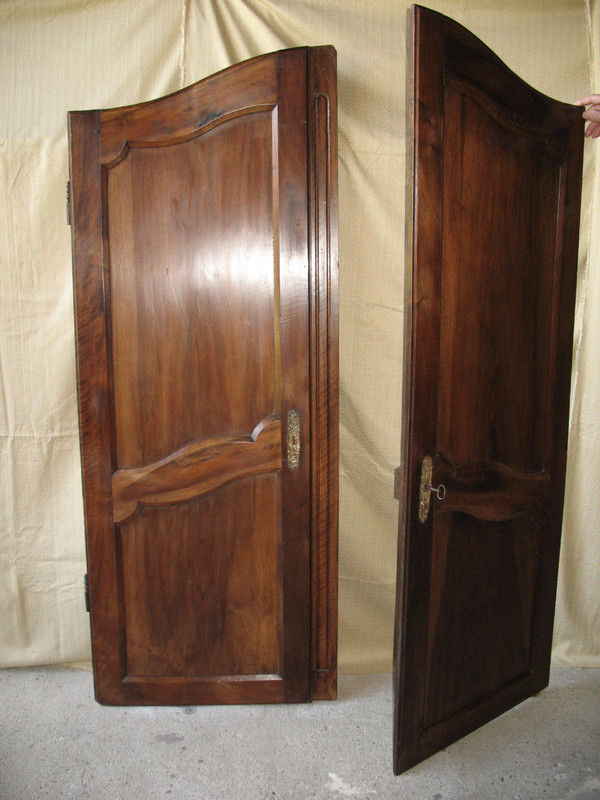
56,742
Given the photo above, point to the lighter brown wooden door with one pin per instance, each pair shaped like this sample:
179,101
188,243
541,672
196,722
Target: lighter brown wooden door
205,269
497,178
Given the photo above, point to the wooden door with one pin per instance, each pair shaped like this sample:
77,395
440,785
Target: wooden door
205,271
497,178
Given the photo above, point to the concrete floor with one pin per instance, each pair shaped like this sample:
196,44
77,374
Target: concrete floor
56,742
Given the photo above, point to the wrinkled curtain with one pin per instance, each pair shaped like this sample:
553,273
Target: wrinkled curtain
61,55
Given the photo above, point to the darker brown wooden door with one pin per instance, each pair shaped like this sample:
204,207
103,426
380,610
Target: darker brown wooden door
205,267
497,176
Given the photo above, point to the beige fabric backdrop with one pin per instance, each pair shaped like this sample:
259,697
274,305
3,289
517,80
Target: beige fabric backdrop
57,55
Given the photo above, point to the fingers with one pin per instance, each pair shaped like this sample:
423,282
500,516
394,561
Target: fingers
592,114
593,130
589,100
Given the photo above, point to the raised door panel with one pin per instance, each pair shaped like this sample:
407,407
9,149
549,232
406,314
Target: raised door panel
497,178
192,265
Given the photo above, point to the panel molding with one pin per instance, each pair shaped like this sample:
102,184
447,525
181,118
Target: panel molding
197,469
204,128
324,359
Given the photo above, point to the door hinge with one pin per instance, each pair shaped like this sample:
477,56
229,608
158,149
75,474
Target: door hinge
86,590
68,202
398,473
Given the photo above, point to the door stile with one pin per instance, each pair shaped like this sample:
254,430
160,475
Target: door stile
567,246
294,333
93,393
323,232
415,541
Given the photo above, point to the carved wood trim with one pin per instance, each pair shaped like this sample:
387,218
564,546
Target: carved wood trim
196,469
244,86
202,129
556,144
494,492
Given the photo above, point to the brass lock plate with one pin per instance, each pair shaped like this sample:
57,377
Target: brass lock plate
424,494
293,440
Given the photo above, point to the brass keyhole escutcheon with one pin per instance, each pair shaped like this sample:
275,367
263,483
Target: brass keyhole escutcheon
426,489
293,439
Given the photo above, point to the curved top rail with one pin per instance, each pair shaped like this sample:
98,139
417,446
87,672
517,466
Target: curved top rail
511,84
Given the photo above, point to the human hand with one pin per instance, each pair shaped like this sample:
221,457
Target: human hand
592,113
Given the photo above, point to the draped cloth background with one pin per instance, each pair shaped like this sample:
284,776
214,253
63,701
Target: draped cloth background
61,55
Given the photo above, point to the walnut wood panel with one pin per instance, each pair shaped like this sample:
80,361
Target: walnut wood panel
197,469
205,271
207,553
193,258
497,181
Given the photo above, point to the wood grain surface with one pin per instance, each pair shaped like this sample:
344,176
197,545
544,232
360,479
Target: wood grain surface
205,268
495,214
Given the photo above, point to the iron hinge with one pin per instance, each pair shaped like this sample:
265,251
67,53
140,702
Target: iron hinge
398,475
86,589
68,202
